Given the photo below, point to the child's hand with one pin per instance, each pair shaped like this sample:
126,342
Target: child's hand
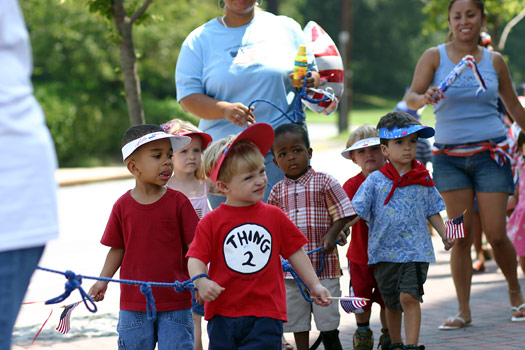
329,244
320,295
98,290
448,243
208,290
342,236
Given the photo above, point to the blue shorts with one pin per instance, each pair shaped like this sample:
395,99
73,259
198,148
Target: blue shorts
196,307
246,333
478,172
171,329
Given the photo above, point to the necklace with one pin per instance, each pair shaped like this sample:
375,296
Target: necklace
224,21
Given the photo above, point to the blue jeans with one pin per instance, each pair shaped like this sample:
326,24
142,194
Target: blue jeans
16,269
273,173
173,330
245,333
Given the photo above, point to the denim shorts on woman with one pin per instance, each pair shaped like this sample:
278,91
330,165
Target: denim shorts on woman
478,172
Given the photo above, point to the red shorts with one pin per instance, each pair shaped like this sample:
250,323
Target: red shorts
364,285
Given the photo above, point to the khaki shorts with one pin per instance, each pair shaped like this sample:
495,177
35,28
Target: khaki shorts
300,311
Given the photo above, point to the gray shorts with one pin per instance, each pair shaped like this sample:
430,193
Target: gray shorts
394,278
299,311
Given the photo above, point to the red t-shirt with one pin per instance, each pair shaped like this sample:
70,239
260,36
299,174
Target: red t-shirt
155,238
357,251
242,245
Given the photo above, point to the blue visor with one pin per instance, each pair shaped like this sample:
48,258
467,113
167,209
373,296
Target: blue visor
422,131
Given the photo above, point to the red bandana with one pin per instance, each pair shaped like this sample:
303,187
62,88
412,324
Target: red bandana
418,175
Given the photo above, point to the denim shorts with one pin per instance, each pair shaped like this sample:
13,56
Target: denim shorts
394,278
478,172
245,333
173,330
16,269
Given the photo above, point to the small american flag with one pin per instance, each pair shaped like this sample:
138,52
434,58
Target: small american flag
65,318
352,304
455,227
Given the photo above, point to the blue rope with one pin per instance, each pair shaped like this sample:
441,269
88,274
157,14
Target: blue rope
303,288
298,116
74,281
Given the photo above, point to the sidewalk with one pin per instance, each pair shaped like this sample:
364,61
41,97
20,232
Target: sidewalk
491,314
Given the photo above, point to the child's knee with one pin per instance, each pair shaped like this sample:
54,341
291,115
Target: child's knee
408,300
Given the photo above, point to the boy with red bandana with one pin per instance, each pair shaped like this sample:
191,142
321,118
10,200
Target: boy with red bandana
397,201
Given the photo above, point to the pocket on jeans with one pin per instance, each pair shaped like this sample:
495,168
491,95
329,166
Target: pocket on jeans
129,320
181,317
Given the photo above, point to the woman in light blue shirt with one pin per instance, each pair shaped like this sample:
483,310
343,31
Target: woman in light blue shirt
232,60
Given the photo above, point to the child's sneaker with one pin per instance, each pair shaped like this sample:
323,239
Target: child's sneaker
384,339
363,340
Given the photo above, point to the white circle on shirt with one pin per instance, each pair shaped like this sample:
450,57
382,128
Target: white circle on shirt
247,248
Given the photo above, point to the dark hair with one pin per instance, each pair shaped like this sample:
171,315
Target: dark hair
137,131
479,4
293,129
520,141
396,119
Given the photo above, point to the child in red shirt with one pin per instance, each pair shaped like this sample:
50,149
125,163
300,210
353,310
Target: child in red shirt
242,240
149,230
363,149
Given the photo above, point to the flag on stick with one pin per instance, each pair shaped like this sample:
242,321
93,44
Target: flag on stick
353,304
65,318
455,228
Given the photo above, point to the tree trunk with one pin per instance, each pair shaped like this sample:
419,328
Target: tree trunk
345,40
128,63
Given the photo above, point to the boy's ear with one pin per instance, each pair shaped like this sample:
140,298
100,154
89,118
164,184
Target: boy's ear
310,151
222,187
384,150
275,162
132,167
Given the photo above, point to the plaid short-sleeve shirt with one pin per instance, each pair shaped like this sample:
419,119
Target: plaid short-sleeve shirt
313,203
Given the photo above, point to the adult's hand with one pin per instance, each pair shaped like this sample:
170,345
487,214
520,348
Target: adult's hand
209,108
238,114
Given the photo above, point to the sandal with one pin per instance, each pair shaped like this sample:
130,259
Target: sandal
515,311
518,312
396,346
478,267
414,347
286,345
447,325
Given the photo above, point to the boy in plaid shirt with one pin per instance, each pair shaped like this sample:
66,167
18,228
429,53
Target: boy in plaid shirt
317,204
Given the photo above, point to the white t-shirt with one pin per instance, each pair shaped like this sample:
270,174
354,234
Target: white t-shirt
28,209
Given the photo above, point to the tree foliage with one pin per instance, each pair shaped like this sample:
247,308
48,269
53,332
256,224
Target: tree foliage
78,76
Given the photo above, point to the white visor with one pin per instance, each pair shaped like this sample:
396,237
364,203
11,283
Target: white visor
177,142
364,143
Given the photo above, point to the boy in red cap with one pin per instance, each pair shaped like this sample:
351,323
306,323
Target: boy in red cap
242,240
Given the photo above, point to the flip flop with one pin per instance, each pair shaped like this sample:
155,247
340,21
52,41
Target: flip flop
452,319
518,309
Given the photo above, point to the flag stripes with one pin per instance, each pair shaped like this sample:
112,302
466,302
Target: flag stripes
65,318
